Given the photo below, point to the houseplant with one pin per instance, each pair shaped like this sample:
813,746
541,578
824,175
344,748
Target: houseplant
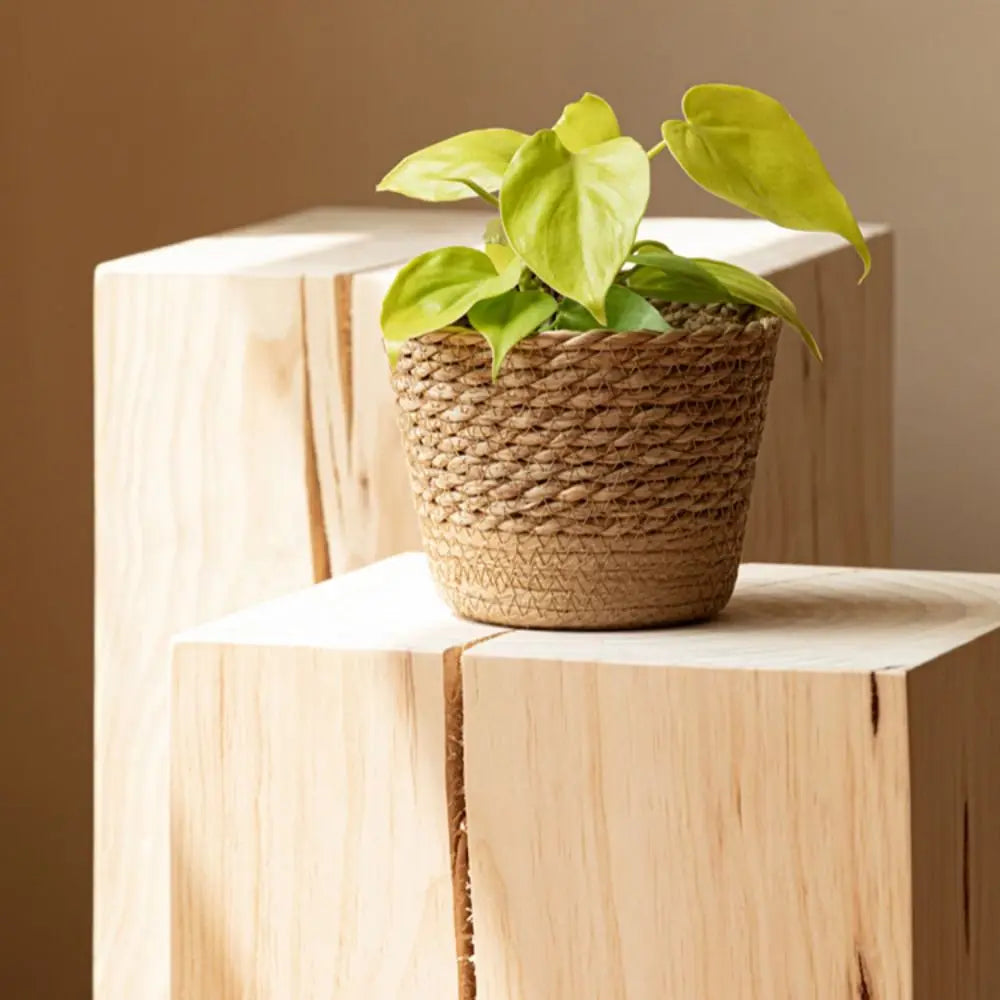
582,410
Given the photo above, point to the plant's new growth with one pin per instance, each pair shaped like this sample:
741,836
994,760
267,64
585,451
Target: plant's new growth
562,253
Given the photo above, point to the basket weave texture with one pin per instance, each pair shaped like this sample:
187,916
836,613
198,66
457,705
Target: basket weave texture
602,482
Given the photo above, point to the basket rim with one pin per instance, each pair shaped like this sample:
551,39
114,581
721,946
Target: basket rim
598,339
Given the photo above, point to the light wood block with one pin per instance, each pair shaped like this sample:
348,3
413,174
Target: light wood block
311,852
799,799
246,445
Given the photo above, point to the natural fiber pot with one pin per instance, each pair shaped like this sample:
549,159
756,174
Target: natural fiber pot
602,481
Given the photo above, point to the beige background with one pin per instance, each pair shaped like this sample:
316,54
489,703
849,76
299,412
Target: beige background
126,124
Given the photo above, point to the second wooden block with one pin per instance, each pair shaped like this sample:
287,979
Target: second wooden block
797,800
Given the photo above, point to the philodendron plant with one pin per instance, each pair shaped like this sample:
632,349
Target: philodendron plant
562,252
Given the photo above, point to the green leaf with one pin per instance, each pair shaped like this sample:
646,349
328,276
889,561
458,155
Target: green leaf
501,254
497,248
451,170
675,279
437,288
481,192
493,233
745,147
572,316
755,290
572,217
640,246
586,122
507,319
626,311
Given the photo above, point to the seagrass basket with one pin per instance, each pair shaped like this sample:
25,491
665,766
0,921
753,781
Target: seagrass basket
602,482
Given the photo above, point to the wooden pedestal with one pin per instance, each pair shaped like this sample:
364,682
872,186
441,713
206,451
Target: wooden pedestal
797,800
246,445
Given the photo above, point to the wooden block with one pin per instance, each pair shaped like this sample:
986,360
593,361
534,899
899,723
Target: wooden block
216,446
246,445
796,800
799,800
311,837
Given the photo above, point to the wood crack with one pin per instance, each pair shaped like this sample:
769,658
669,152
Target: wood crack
317,527
966,880
454,720
864,988
875,709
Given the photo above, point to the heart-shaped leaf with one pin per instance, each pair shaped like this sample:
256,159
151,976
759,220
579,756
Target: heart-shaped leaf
745,147
745,286
572,217
507,319
626,311
586,122
667,276
437,288
445,171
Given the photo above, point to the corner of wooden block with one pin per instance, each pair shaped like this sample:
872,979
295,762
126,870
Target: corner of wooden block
318,832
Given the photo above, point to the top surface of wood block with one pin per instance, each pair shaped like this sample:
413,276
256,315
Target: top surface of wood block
328,241
389,605
781,618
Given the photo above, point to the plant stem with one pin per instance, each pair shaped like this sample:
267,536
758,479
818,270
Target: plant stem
658,148
481,191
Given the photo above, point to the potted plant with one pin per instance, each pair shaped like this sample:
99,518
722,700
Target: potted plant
581,409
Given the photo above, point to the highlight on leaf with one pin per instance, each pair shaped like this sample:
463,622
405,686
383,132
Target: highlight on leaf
586,122
437,288
454,168
572,217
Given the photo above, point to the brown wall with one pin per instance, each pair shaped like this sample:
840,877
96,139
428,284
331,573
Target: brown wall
125,124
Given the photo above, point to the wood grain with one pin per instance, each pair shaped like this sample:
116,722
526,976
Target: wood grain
795,800
200,445
802,618
212,467
955,746
367,509
246,446
310,834
311,830
728,810
702,846
823,490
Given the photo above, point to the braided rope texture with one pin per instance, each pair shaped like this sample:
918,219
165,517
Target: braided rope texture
602,481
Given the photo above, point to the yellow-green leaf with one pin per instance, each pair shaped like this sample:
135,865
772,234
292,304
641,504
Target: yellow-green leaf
493,233
507,319
496,246
572,217
444,171
586,122
438,288
745,147
626,311
668,276
745,286
501,254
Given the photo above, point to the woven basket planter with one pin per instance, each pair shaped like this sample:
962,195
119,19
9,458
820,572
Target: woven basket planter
602,482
